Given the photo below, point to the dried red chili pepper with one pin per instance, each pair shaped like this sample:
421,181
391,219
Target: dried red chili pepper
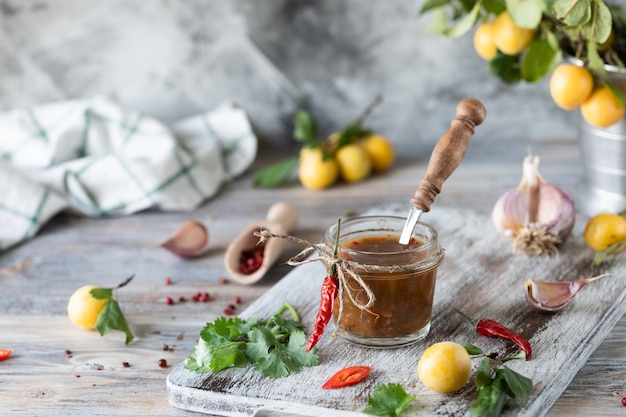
347,376
330,287
492,328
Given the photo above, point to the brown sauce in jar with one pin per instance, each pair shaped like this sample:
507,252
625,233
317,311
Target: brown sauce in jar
404,299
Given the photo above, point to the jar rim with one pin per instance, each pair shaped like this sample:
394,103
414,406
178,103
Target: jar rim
428,237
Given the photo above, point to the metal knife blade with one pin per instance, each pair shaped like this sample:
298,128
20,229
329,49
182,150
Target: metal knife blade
409,225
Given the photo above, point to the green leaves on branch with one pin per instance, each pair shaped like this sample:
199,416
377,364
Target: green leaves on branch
495,382
576,27
111,316
305,132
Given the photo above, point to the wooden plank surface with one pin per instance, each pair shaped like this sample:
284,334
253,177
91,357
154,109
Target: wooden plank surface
40,379
481,276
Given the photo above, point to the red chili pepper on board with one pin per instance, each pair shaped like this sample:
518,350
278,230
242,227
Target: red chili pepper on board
5,353
347,376
492,328
330,288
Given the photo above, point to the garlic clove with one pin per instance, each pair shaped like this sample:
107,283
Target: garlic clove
552,296
191,240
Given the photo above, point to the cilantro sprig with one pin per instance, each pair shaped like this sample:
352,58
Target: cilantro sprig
275,346
111,316
495,382
388,400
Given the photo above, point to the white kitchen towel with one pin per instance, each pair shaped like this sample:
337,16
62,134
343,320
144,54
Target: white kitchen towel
96,158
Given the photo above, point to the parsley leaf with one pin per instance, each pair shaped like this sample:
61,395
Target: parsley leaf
388,400
274,346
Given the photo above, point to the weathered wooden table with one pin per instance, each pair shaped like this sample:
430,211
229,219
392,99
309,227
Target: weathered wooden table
60,370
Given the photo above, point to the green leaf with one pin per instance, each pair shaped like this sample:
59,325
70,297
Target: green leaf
601,255
599,28
388,400
526,13
494,6
438,23
305,128
621,96
472,350
276,174
465,24
223,330
572,12
350,134
295,349
227,355
491,398
102,293
596,63
111,318
539,61
519,385
483,373
506,67
433,4
266,353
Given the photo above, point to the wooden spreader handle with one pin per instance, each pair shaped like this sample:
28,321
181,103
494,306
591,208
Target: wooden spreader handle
449,152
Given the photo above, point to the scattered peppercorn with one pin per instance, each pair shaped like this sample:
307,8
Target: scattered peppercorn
232,307
624,401
68,352
228,312
223,280
168,281
165,347
169,301
126,364
237,300
182,299
162,363
251,259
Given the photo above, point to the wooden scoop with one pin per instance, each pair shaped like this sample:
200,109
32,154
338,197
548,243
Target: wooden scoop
446,157
281,218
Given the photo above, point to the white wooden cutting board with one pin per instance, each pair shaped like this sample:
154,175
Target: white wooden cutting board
479,275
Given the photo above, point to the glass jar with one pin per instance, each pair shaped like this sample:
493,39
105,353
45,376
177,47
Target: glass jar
400,277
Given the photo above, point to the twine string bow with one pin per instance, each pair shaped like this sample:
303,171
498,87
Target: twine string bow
344,268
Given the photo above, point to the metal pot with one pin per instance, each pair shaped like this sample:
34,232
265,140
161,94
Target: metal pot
603,156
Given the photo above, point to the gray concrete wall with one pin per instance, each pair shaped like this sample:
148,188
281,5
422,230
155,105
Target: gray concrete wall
174,58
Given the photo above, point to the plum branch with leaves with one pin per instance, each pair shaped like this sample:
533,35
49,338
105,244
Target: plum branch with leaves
592,31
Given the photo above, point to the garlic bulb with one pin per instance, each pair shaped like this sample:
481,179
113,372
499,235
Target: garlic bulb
191,240
549,297
537,216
